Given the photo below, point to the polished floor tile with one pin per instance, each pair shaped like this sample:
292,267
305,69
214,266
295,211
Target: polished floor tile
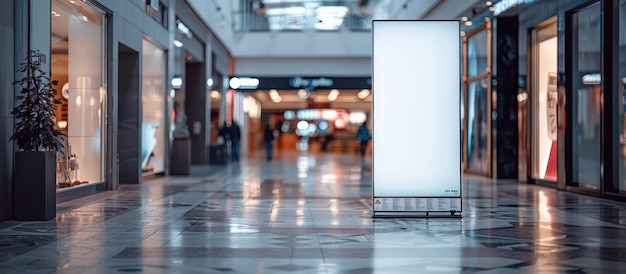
311,213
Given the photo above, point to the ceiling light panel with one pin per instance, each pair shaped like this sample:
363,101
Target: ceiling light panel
330,17
332,11
285,11
328,23
286,22
274,2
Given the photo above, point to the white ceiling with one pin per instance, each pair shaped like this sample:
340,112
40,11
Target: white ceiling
286,53
224,17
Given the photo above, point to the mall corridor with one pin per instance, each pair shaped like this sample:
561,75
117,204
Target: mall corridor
311,213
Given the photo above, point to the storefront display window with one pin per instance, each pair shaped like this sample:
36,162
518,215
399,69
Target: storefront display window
77,47
543,105
153,108
587,93
478,130
477,54
621,184
476,118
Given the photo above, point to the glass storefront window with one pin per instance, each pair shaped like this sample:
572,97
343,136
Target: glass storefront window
544,147
476,110
477,127
77,62
153,108
587,94
477,54
621,184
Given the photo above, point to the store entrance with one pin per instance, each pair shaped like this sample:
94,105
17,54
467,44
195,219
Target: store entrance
544,96
129,116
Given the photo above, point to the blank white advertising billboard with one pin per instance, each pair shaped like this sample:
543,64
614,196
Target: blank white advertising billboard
416,118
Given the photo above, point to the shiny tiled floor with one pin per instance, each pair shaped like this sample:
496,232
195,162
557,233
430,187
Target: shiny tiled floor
311,213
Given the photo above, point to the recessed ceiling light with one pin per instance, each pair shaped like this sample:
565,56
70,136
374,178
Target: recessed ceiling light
303,93
363,93
332,96
216,94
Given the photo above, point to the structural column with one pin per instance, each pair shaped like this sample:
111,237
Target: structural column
7,28
507,61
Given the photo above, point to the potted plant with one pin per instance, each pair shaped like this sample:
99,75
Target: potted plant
38,141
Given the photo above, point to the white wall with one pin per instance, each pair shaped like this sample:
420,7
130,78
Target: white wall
302,44
280,67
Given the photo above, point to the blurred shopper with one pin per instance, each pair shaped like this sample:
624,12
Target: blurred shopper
226,134
235,132
363,136
269,142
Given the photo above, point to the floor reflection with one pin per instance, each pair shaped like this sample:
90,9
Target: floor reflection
311,213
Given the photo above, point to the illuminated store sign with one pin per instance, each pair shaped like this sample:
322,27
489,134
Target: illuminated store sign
300,82
177,82
314,82
505,5
592,79
183,29
244,83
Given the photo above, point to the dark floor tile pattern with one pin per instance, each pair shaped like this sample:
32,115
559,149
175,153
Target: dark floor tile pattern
311,213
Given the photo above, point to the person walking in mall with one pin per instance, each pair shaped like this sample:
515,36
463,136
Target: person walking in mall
226,134
363,136
235,132
269,142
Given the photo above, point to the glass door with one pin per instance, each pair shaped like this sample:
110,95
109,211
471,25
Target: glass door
543,104
586,94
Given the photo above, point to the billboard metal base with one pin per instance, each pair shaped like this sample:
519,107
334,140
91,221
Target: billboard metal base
418,214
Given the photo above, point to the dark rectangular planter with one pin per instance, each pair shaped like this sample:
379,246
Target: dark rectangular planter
34,186
181,157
